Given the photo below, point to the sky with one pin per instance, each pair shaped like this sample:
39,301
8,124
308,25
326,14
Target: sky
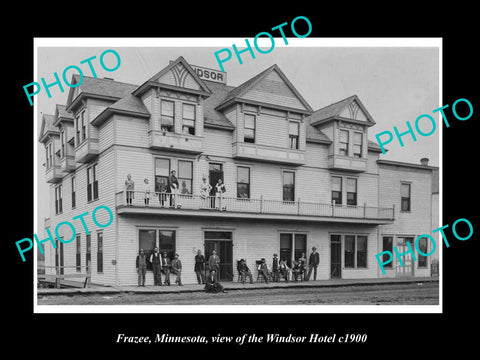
396,80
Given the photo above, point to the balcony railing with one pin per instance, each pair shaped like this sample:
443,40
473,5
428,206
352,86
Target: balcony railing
136,199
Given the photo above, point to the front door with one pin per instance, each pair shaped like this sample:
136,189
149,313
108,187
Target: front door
221,242
407,269
335,257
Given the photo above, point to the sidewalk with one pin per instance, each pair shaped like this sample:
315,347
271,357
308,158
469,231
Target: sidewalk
231,285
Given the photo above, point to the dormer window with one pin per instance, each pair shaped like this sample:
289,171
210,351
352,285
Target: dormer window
294,129
249,128
188,119
167,115
343,143
80,128
357,144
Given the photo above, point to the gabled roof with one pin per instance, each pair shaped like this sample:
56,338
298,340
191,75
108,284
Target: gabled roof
153,81
315,135
61,114
99,88
129,105
333,111
215,118
47,128
239,91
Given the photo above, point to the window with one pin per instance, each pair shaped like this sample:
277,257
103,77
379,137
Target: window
292,245
49,155
349,251
188,119
405,197
167,115
293,134
88,251
84,129
288,186
243,182
58,200
92,183
166,242
62,143
337,190
77,130
300,245
343,143
148,240
185,175
78,255
422,246
73,192
99,252
387,246
249,128
351,191
162,171
357,144
355,251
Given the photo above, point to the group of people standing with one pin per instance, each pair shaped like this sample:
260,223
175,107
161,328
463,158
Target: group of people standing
160,265
168,191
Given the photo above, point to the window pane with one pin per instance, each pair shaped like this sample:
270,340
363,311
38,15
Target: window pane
184,169
336,183
189,111
351,185
387,246
243,191
286,248
422,246
249,121
344,136
361,251
167,108
188,123
405,190
167,241
349,251
243,174
162,167
249,134
293,128
357,138
288,178
218,235
146,241
300,245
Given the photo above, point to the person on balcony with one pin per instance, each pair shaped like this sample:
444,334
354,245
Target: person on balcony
166,268
177,269
141,265
313,262
162,196
244,271
173,186
219,190
129,188
205,189
146,188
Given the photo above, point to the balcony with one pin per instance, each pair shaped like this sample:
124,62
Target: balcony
67,163
86,151
238,208
342,162
54,174
279,155
166,140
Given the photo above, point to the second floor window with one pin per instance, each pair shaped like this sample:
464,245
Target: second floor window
49,155
351,191
243,182
294,129
74,199
58,200
188,119
288,186
357,144
92,183
62,143
162,171
343,143
167,115
185,176
405,196
337,189
80,128
249,128
84,126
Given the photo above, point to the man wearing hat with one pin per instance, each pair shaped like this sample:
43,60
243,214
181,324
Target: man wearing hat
244,271
166,268
263,270
313,262
275,269
141,265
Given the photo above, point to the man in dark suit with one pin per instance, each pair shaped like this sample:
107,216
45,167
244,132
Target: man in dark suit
313,262
166,268
275,268
214,263
200,267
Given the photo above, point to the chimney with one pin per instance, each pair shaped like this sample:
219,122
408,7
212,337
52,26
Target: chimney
424,161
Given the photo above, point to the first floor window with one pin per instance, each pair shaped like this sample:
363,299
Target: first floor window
288,186
88,251
355,251
405,196
243,182
99,252
78,255
185,176
422,246
387,246
163,239
337,190
292,246
92,183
